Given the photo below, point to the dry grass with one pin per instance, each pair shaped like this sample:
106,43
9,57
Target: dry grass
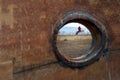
73,46
86,37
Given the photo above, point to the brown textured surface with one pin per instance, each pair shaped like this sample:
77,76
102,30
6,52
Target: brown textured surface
104,69
26,31
114,65
6,70
57,72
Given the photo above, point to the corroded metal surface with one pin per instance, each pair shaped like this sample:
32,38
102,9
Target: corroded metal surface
26,28
6,70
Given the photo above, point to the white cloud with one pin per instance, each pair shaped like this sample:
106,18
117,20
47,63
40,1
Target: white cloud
73,24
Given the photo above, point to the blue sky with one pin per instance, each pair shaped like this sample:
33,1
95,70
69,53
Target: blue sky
72,28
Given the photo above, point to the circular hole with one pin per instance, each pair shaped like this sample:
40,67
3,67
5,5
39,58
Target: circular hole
74,40
84,43
79,39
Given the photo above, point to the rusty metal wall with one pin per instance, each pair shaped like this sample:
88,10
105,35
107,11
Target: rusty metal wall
26,33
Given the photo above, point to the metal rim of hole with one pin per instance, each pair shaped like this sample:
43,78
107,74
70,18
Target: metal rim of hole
99,38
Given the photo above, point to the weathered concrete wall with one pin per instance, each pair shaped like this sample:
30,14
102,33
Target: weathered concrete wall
26,33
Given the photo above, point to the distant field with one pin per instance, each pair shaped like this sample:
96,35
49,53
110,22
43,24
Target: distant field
73,46
74,37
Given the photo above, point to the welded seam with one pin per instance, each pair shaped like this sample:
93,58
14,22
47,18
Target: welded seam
34,67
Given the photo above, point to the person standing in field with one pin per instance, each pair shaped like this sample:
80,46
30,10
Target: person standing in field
79,30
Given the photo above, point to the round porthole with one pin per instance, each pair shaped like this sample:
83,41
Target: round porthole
79,39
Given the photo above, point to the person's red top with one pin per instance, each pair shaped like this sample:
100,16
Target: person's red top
79,28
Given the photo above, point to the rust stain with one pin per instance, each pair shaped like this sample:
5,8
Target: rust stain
108,12
93,2
7,18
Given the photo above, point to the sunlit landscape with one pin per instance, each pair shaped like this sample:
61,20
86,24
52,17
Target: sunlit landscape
72,45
